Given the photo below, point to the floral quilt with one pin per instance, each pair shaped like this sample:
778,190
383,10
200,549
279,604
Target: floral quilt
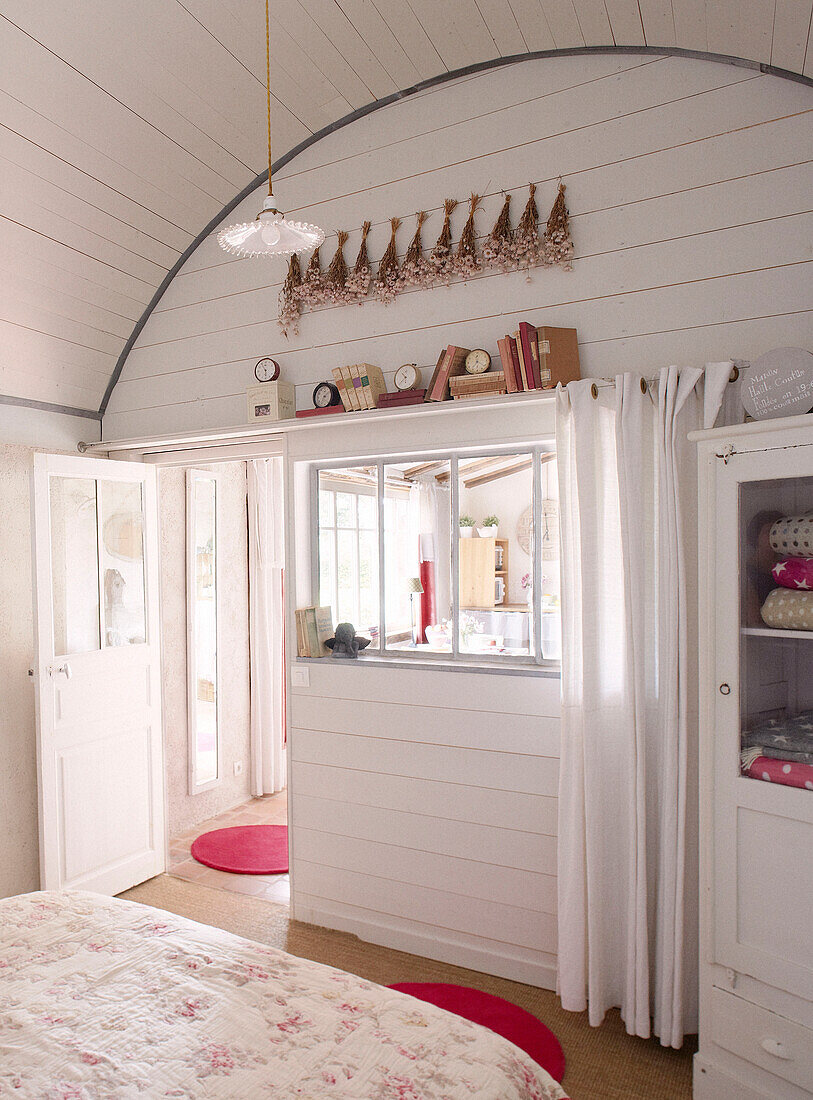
103,999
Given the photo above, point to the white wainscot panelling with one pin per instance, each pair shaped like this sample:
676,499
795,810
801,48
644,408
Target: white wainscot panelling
423,812
688,187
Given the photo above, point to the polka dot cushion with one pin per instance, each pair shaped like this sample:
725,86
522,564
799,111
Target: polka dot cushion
794,573
788,773
786,609
792,536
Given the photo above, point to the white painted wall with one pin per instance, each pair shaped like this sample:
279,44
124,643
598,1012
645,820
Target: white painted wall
22,431
185,810
688,183
422,801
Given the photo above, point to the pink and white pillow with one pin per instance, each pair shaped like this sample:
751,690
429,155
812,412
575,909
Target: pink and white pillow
794,573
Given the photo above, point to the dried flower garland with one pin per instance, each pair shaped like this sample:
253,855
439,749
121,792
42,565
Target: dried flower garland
312,287
386,283
527,246
358,281
466,261
504,249
289,308
557,247
441,257
416,269
335,281
498,248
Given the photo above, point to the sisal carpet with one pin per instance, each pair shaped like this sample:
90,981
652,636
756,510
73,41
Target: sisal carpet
602,1063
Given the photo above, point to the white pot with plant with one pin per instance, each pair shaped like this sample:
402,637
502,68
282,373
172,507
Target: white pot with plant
490,528
466,527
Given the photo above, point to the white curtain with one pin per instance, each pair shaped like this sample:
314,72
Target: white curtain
266,618
627,814
429,535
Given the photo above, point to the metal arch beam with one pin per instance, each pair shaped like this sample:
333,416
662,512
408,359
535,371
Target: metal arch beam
394,97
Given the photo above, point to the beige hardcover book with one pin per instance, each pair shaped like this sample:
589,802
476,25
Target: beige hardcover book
341,386
359,371
373,384
355,374
352,393
324,628
301,637
314,648
559,354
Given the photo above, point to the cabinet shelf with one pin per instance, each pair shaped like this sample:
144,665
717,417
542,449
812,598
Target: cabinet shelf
769,632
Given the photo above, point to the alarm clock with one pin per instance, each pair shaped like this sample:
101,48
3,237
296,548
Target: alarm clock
408,377
325,395
267,370
477,361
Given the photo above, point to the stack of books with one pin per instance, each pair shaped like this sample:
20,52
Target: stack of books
478,385
402,397
539,358
359,386
450,364
314,625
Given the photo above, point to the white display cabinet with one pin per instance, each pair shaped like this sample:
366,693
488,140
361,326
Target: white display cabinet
756,787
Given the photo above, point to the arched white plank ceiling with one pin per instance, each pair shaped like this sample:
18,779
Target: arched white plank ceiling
125,128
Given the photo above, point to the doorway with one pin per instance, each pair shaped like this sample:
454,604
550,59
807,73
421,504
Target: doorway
220,529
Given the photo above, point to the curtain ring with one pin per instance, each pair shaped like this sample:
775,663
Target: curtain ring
735,373
594,391
643,385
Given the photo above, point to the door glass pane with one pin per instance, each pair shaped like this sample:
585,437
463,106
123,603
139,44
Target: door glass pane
74,565
417,556
122,549
204,623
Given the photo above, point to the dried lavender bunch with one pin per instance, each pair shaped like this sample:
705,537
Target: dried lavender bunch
527,246
336,274
498,248
441,258
466,260
387,279
358,281
289,308
416,269
312,287
557,246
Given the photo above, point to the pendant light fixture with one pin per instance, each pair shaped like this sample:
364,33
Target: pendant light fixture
271,233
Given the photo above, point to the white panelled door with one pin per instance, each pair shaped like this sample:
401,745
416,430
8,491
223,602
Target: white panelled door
97,673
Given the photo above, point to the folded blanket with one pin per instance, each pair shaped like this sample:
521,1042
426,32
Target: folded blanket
780,739
786,609
792,536
794,573
774,771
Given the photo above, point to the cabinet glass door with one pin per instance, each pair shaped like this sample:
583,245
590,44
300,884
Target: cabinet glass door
776,643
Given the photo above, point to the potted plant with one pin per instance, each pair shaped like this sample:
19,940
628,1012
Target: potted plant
491,526
466,527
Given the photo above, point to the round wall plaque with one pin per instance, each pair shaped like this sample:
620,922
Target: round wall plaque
779,383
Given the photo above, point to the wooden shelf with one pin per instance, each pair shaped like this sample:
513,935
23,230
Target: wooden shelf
769,632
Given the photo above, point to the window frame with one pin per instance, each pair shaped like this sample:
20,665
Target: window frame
456,658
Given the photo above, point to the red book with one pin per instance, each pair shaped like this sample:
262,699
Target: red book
507,365
326,411
512,347
437,392
530,353
406,397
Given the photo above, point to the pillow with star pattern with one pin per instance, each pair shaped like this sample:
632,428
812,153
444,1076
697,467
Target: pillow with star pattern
794,573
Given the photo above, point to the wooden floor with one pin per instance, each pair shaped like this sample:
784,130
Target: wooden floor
272,809
603,1063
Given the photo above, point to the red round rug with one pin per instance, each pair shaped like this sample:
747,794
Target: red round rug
244,849
502,1017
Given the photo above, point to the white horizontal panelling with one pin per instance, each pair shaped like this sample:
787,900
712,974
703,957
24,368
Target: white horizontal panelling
688,187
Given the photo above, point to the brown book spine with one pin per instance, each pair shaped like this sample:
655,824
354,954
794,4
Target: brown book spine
531,367
434,378
507,365
521,361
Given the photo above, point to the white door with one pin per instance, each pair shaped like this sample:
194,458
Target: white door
97,673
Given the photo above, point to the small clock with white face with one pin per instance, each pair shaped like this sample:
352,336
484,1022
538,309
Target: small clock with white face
477,361
408,377
326,395
267,370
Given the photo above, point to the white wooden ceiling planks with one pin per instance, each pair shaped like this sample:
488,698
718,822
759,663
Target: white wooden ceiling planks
125,128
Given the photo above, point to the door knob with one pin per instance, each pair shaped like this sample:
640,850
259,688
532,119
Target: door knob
55,670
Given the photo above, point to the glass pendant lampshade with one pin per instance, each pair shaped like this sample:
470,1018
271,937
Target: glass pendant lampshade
271,233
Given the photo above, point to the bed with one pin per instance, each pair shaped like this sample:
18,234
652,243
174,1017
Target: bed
101,998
